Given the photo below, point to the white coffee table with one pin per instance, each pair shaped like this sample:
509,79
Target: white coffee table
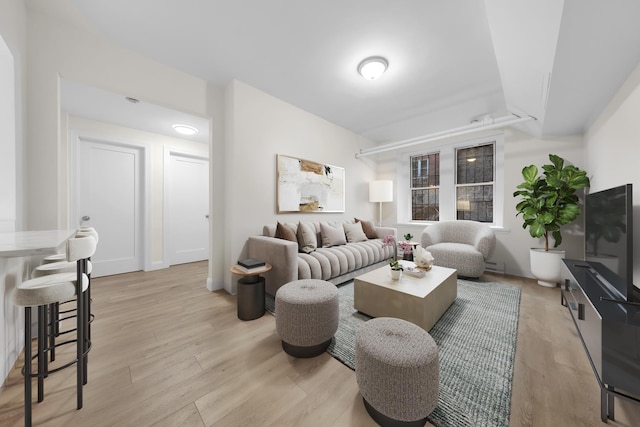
419,300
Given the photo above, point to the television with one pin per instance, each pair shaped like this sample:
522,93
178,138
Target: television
609,239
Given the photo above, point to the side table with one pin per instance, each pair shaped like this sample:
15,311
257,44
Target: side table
250,293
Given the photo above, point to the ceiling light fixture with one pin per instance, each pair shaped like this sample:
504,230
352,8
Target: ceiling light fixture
185,129
373,67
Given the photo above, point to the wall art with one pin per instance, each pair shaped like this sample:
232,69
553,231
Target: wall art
308,186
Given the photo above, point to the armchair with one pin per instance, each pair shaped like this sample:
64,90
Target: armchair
463,245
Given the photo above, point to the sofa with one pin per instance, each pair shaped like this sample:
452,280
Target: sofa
463,245
335,251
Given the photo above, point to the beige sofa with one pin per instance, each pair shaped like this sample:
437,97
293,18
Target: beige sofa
341,252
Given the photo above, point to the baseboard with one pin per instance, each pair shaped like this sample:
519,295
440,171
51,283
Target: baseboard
158,265
213,287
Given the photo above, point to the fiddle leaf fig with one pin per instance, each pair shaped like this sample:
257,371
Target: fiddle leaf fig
549,200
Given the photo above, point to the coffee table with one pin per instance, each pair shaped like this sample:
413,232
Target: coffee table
419,300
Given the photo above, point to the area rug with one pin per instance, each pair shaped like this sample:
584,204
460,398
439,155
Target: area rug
476,340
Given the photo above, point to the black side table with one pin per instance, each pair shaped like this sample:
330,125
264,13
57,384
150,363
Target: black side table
250,293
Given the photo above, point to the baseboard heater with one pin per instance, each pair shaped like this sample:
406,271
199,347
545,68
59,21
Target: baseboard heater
494,267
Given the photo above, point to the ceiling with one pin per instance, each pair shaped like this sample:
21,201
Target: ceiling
450,62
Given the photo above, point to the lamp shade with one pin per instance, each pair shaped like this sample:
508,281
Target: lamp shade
381,191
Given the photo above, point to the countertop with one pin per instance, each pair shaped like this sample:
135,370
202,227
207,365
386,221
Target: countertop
25,243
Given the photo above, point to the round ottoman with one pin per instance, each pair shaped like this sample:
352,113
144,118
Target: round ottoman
306,316
397,371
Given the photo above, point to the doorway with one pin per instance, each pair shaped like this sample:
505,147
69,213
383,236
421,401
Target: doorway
110,199
186,198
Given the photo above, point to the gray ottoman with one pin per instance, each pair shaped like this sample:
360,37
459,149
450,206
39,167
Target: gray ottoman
397,371
307,314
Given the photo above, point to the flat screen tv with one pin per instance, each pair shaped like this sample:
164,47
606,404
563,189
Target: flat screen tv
609,237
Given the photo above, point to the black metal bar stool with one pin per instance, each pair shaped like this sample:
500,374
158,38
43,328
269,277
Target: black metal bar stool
49,267
41,292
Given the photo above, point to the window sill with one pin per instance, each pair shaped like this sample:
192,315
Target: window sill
495,228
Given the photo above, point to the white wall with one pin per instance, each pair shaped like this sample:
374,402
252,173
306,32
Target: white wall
513,242
259,127
521,150
156,144
57,50
8,176
13,50
613,150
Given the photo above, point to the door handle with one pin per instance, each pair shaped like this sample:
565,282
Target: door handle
207,216
86,218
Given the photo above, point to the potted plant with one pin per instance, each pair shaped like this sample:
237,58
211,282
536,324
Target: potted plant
549,201
396,269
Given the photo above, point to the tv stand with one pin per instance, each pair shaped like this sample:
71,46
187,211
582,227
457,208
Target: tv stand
620,301
609,329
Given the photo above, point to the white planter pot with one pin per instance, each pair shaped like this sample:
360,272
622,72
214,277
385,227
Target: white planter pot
395,274
546,266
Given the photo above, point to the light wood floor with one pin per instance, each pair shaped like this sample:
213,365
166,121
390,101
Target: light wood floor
169,353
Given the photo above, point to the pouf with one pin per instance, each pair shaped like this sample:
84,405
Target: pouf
397,371
307,313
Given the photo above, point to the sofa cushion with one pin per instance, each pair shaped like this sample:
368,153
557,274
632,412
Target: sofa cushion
332,235
285,232
354,232
307,241
368,228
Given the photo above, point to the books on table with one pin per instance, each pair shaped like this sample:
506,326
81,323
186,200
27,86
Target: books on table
250,265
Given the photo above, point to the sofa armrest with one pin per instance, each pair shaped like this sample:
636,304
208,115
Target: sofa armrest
281,254
385,231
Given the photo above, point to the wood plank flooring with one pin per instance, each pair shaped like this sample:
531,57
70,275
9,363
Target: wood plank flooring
166,352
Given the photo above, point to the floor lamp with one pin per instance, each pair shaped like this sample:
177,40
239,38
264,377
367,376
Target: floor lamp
380,191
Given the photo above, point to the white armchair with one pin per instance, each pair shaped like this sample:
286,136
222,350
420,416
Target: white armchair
463,245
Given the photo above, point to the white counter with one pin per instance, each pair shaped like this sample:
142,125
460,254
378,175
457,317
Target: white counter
25,243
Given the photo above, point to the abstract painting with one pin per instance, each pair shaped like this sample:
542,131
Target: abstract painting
307,186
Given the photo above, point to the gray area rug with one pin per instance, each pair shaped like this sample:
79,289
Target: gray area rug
476,340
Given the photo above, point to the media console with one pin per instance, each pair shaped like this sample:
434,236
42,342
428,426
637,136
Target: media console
609,331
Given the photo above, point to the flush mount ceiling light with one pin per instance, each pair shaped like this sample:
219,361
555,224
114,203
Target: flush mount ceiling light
373,67
185,129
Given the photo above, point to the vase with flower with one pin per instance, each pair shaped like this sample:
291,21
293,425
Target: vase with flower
396,267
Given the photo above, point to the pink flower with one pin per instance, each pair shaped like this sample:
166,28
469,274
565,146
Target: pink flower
406,247
389,240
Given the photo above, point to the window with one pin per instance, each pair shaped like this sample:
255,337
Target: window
460,180
425,187
474,183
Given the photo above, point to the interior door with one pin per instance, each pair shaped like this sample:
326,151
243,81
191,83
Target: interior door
109,199
188,213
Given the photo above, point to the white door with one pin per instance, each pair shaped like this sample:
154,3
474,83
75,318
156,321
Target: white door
109,199
188,201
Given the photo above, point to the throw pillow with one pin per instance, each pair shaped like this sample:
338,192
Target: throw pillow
286,233
332,235
307,240
368,228
354,232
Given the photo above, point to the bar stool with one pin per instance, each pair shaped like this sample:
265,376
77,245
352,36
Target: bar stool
62,256
41,292
49,267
